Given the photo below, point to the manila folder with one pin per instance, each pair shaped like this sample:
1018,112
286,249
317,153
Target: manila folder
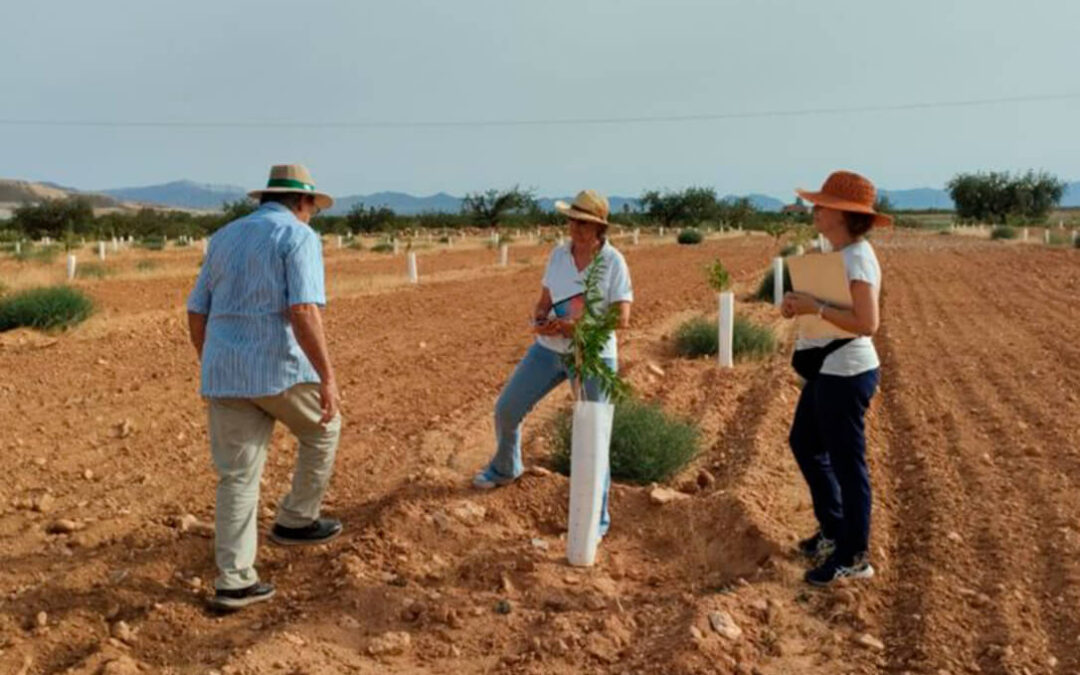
823,276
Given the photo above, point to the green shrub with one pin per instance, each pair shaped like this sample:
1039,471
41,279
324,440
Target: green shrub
44,308
647,444
152,243
765,288
444,239
751,341
93,270
691,236
147,265
698,337
790,249
357,245
383,247
1060,239
1003,232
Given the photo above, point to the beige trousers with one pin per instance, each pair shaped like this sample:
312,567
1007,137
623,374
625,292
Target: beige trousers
240,430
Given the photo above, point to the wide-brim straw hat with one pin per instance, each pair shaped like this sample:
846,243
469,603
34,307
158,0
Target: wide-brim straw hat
589,205
847,191
293,178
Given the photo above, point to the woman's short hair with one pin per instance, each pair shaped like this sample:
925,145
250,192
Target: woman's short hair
858,224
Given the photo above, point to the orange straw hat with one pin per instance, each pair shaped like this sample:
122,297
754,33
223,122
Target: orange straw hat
847,191
293,178
588,205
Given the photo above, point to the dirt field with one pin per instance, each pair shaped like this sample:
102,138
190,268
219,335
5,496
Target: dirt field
975,452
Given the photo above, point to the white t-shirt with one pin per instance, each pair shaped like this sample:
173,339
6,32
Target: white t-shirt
567,286
859,355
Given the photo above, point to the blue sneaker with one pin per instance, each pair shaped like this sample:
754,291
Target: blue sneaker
488,479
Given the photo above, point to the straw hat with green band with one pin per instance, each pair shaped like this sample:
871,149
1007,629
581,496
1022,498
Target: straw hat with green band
293,178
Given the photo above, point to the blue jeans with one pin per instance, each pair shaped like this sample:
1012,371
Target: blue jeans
828,437
540,371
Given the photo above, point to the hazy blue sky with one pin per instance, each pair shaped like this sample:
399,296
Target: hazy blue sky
474,60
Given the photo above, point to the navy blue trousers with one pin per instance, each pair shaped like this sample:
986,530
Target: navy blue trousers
828,437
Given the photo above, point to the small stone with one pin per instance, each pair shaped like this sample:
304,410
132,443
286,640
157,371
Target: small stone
441,520
122,665
663,495
870,642
124,429
539,543
655,369
64,526
696,633
88,474
723,624
121,631
954,537
189,523
468,512
44,503
41,620
503,607
393,642
538,470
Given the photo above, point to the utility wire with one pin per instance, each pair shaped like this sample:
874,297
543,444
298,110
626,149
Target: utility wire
578,121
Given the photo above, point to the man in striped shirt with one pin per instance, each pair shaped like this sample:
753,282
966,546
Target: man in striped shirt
255,320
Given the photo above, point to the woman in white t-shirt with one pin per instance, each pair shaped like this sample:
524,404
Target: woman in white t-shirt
828,435
561,303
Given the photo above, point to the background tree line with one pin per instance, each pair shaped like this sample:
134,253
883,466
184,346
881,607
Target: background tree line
993,197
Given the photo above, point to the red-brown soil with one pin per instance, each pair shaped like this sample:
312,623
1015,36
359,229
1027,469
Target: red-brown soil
974,451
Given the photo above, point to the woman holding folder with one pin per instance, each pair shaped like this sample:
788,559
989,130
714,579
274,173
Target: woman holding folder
840,366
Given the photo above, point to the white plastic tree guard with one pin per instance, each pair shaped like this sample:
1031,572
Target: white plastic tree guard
637,236
414,276
504,255
562,240
395,244
778,280
726,328
449,242
823,244
589,445
115,245
494,238
202,245
340,241
101,250
661,230
1046,236
71,265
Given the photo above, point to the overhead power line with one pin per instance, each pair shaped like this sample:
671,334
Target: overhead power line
570,121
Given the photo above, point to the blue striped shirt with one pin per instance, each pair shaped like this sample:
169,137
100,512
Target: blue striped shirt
255,269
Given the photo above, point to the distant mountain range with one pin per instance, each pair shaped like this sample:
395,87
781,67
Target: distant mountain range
188,194
191,195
